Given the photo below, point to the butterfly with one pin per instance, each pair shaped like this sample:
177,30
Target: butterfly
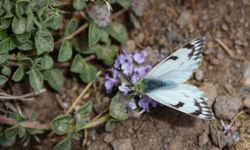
165,82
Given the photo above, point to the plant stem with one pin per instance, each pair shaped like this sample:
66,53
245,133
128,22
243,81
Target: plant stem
81,95
96,122
25,124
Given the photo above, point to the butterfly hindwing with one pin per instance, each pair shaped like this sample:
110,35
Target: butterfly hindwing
179,66
185,98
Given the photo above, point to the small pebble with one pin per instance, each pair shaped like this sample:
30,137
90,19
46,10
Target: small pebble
234,139
173,37
246,102
226,107
247,74
208,51
122,144
108,138
229,88
199,75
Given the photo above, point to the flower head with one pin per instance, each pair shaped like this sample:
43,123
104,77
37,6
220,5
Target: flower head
100,14
140,72
145,103
124,88
226,127
111,81
139,57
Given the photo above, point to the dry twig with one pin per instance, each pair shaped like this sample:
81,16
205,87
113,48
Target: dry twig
228,50
81,95
25,97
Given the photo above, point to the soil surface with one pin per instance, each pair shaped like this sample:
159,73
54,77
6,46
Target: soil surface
166,26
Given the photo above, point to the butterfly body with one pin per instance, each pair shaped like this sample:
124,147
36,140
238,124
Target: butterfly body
149,85
165,83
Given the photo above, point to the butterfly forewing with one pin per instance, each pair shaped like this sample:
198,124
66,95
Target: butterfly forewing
165,82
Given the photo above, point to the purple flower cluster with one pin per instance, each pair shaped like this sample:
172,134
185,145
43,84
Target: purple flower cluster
131,66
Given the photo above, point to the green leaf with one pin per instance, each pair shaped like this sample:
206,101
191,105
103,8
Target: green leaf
55,78
18,25
18,117
21,7
47,62
70,27
86,109
94,34
117,109
35,131
105,37
8,5
117,31
36,79
55,21
21,131
5,142
44,41
81,113
79,4
6,71
5,45
65,144
110,125
60,125
18,74
11,133
136,23
78,64
124,3
65,52
25,46
3,34
88,73
30,17
4,23
22,38
3,79
3,58
107,54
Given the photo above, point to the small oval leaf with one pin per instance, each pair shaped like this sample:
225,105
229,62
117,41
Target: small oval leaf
117,109
55,78
65,52
117,31
18,25
18,74
60,125
36,79
94,34
3,79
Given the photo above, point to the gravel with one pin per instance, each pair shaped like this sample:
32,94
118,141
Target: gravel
226,107
210,91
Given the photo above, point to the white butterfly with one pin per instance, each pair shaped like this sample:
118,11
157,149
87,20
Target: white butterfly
165,83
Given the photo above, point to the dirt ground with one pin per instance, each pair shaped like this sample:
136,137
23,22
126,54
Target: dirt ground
166,25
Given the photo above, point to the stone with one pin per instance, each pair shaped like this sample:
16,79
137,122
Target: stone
108,138
247,74
246,102
210,91
199,75
226,107
122,144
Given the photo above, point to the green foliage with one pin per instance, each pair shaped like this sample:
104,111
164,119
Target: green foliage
81,113
60,125
65,144
34,41
117,108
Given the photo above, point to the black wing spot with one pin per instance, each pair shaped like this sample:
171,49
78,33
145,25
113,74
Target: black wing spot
172,57
180,104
